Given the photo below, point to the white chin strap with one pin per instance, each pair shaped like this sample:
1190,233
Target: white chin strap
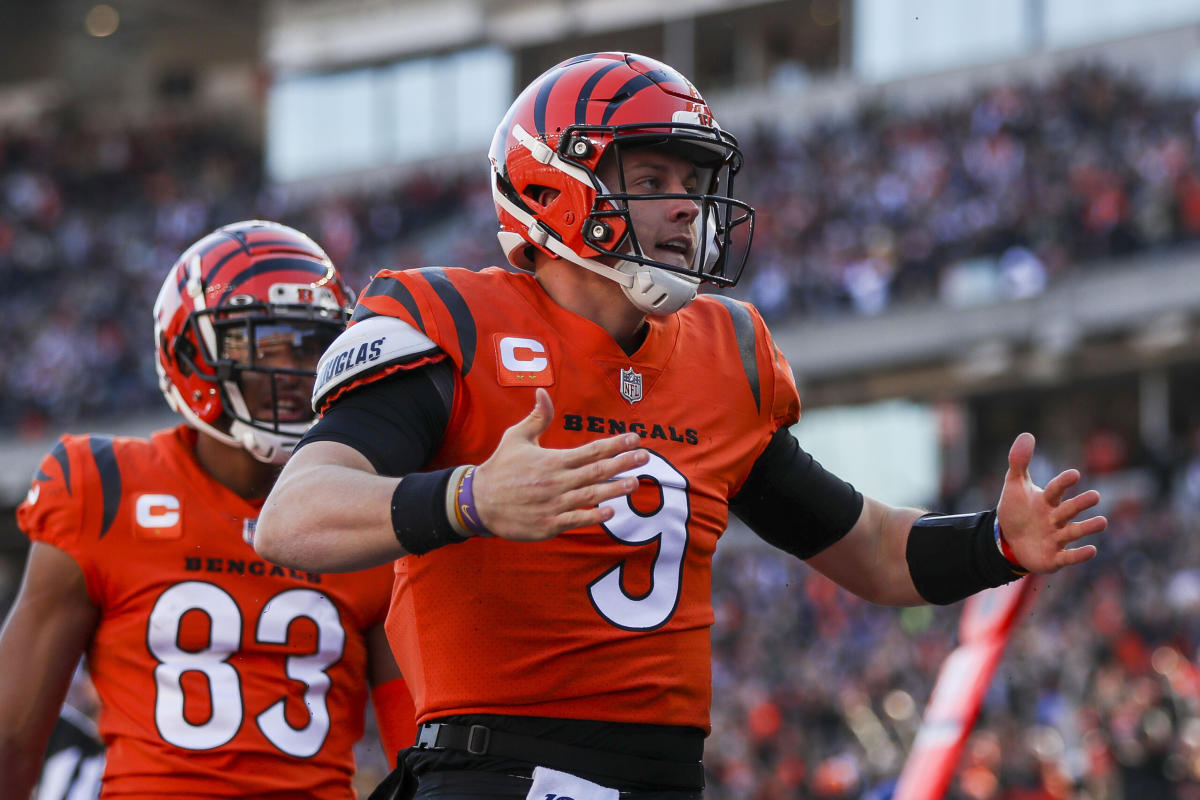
270,448
265,446
658,291
652,290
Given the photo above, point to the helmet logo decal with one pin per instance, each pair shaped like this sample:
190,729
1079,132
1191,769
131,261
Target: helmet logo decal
631,385
266,267
696,115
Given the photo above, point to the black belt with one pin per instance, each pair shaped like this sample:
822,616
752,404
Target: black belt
481,740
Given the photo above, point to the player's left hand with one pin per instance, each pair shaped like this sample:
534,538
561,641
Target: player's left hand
1039,524
527,492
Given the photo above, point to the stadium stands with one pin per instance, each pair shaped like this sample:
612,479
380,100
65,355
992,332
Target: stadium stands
999,197
983,201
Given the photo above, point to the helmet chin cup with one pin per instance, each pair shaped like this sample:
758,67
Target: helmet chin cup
269,448
658,291
652,290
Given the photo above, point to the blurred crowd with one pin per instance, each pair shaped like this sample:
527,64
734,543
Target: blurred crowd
90,221
974,201
983,198
819,695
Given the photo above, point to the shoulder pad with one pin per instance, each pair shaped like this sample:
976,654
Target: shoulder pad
366,347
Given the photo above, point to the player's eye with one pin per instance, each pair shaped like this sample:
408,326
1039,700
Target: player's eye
235,344
647,184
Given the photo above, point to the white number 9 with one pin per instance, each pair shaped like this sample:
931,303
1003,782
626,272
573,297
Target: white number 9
667,525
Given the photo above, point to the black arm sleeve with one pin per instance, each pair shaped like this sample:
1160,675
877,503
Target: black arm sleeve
397,422
792,502
950,558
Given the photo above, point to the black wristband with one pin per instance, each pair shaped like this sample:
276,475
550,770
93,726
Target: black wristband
419,512
953,557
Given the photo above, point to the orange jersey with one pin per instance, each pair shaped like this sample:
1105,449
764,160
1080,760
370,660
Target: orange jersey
605,623
220,674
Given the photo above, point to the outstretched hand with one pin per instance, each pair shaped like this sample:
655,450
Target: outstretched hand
1039,524
527,492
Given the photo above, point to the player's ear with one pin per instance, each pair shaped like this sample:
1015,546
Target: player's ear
542,195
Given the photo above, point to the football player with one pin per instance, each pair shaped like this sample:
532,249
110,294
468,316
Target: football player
552,614
219,673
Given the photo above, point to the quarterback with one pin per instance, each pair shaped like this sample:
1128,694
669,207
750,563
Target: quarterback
550,456
219,673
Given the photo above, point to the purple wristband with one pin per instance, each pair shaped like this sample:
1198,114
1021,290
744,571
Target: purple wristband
466,505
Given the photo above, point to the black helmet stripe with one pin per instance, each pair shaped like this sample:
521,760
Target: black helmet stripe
626,92
585,94
543,95
539,105
547,88
207,277
269,265
222,238
629,90
579,59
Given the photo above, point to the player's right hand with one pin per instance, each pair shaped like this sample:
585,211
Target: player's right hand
527,492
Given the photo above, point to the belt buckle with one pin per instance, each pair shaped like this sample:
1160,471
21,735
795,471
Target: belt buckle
478,738
428,736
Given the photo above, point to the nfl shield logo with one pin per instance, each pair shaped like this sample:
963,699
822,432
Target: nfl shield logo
631,385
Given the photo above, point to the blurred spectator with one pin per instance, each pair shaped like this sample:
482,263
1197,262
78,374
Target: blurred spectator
993,197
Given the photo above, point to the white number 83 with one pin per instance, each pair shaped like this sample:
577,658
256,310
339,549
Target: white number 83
224,682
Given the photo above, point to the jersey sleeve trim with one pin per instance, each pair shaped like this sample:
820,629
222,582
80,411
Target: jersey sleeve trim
366,348
747,341
460,313
388,286
101,448
59,453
